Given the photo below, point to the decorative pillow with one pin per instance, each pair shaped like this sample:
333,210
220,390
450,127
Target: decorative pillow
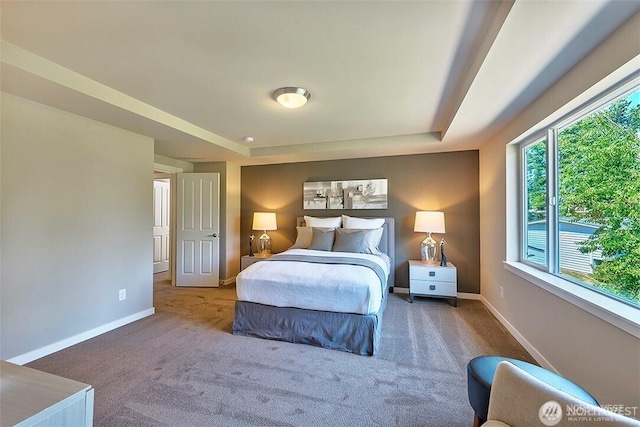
311,221
362,223
322,239
303,239
371,241
349,241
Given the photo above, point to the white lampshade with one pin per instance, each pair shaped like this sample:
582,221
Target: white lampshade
429,221
264,221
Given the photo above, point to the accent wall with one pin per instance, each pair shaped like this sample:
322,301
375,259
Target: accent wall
442,181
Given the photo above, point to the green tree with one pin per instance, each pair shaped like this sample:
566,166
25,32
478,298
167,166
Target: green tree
599,164
537,181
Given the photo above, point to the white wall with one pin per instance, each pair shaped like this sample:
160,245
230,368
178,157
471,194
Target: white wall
600,357
76,227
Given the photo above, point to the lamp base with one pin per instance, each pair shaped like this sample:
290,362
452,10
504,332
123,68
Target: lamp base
429,250
264,246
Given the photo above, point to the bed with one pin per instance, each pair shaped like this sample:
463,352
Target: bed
328,298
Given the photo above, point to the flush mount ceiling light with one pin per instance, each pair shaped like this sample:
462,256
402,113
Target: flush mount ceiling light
291,97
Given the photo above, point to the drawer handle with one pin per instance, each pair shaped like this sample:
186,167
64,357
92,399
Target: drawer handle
432,274
432,287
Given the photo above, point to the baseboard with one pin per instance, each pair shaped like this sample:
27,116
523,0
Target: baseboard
468,295
522,340
461,295
76,339
227,282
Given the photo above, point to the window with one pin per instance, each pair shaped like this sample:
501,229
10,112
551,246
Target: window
581,197
535,236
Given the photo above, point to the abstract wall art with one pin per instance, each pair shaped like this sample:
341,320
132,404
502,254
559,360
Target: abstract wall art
348,194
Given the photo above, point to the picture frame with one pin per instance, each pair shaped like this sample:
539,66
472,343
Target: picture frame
345,194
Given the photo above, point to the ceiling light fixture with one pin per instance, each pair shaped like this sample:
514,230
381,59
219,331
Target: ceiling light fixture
291,97
248,139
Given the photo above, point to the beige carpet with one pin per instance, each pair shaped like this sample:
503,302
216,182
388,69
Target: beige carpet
183,367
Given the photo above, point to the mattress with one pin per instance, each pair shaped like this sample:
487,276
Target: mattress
336,287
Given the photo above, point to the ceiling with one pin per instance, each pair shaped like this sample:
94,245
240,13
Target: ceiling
386,77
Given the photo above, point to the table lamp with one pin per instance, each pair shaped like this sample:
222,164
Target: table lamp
429,222
264,221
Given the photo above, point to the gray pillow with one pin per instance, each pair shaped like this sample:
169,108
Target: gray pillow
349,241
322,240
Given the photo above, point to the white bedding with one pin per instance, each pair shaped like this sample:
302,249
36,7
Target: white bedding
313,286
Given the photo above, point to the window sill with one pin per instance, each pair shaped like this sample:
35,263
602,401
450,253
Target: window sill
614,312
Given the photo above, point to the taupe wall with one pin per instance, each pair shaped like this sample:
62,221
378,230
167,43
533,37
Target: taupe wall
76,227
444,181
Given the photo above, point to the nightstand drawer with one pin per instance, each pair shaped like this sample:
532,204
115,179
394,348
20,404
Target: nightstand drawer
432,274
427,287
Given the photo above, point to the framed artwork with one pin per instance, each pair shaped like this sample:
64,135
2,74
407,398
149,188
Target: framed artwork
352,194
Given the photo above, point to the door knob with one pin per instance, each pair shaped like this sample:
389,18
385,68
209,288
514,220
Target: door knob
212,235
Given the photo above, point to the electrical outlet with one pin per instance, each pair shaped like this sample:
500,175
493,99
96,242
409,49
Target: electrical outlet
122,294
501,292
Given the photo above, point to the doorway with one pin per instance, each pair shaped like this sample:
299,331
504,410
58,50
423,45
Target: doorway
167,173
161,225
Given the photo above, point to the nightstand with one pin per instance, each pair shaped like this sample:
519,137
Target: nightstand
247,260
430,280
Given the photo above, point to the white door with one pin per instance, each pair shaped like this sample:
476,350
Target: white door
160,225
198,229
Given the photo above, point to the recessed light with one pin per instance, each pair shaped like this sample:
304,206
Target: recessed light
248,139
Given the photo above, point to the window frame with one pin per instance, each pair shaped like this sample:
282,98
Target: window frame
535,138
616,310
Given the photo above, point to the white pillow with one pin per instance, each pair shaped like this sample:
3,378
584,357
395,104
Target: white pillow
362,223
372,239
311,221
303,239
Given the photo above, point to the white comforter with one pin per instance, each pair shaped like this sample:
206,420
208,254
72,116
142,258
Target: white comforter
313,286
